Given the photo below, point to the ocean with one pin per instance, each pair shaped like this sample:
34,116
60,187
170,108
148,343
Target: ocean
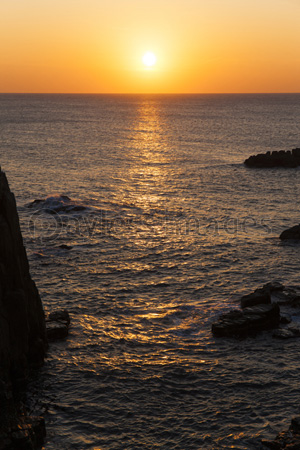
148,228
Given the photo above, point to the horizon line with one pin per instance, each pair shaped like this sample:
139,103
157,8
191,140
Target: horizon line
149,93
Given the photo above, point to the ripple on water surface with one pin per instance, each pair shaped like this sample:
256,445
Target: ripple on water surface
149,227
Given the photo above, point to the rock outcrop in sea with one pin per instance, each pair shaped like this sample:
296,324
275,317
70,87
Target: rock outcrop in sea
291,233
280,158
57,204
23,341
266,308
250,321
57,325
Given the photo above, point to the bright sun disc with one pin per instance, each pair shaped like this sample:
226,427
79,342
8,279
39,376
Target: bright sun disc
149,59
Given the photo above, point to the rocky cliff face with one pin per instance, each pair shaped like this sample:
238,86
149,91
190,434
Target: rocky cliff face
22,323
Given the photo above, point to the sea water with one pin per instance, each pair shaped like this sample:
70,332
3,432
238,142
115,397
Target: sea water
150,226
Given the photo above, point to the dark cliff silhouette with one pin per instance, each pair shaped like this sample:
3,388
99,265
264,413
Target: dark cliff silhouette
22,325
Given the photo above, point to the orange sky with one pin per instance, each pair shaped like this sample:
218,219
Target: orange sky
202,46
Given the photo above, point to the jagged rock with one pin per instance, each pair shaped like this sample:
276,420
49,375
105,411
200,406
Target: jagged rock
280,158
273,292
247,322
291,233
262,295
57,325
258,297
22,322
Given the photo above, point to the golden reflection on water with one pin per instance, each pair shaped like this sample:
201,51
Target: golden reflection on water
147,130
150,152
149,329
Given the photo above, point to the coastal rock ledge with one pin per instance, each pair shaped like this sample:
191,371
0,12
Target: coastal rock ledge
23,340
280,158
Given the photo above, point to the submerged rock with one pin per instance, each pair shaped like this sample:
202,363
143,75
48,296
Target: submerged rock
291,233
65,247
57,204
252,320
280,158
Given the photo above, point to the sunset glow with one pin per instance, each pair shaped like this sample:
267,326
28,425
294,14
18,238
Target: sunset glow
204,47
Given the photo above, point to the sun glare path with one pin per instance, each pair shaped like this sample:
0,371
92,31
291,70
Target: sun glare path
149,59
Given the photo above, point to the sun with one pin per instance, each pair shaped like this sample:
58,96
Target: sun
149,59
